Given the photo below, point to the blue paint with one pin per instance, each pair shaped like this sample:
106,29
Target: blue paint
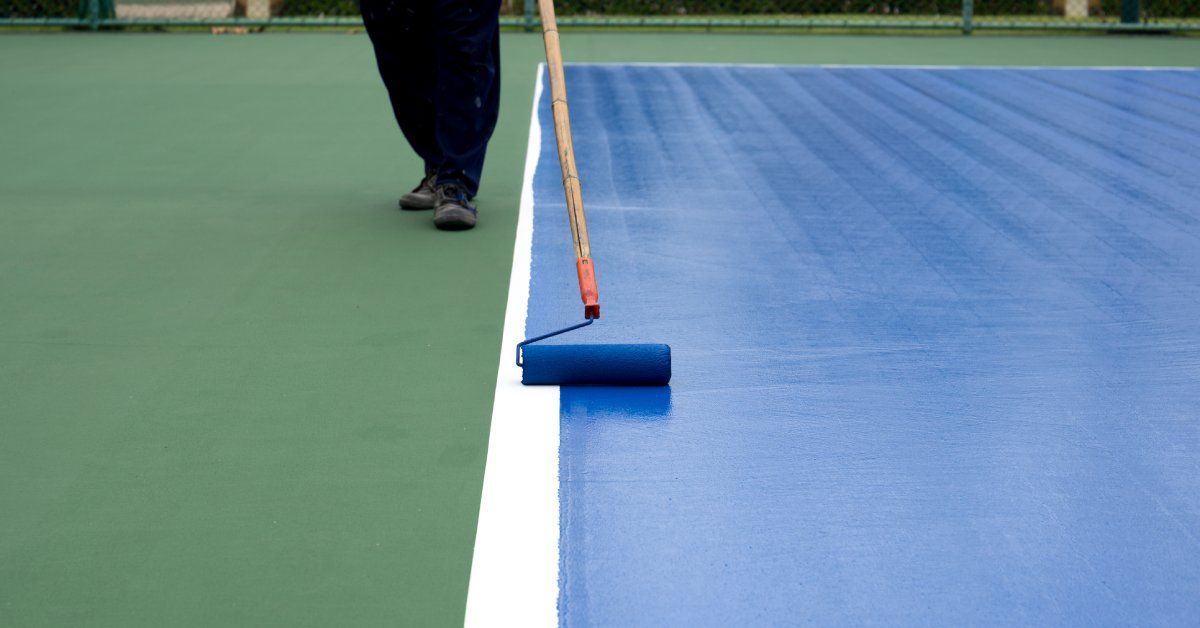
937,357
597,365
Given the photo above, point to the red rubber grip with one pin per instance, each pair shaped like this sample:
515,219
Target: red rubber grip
587,287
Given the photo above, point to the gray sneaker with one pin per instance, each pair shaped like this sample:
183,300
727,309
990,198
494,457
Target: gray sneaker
424,196
454,211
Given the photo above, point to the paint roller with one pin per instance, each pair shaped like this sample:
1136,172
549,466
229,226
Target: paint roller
582,364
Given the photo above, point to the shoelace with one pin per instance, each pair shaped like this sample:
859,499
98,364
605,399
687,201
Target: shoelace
452,191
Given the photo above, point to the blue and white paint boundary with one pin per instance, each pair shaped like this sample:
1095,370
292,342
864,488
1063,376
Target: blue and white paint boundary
514,570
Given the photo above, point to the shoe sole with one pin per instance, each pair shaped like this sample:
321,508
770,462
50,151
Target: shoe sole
455,220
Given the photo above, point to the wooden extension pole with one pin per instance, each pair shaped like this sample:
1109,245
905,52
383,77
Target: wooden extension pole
566,160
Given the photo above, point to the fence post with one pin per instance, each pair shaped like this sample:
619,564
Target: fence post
968,16
1130,10
529,15
94,14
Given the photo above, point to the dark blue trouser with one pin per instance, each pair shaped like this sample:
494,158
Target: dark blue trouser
440,61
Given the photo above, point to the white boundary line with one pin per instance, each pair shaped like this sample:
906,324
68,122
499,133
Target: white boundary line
514,572
851,66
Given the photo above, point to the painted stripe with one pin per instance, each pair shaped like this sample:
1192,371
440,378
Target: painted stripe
514,572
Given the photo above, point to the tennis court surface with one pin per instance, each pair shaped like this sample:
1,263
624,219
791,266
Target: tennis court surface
934,336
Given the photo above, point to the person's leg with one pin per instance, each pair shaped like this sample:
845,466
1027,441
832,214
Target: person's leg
402,34
466,99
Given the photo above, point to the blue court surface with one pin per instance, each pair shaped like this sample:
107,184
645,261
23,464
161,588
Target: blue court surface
936,341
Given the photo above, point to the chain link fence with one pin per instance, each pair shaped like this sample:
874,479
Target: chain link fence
967,15
964,15
1148,15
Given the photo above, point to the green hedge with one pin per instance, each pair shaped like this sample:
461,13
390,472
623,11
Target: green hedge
41,8
310,8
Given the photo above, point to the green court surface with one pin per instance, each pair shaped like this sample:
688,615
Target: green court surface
237,385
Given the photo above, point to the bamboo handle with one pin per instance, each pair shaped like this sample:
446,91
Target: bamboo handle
566,160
